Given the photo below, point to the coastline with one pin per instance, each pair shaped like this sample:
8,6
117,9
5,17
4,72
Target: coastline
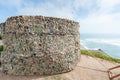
91,50
109,43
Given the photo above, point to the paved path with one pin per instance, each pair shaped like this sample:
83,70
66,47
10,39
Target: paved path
88,68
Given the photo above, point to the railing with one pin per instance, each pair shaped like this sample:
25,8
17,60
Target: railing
111,77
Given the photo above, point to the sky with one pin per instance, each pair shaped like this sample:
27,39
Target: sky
94,16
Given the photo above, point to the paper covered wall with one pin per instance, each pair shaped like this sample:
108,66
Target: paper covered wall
38,45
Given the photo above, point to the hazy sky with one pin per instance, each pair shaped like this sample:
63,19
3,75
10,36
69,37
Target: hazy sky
95,16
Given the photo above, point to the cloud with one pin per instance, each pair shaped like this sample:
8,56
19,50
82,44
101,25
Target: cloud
95,16
108,3
83,3
63,9
102,20
107,6
107,23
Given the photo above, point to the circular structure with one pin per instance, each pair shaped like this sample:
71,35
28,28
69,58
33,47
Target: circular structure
38,45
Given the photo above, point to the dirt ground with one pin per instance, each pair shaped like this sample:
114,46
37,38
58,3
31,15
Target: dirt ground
88,68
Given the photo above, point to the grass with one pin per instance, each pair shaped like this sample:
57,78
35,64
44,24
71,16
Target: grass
0,37
99,55
1,48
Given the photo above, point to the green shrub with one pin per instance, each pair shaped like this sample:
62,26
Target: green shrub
1,48
0,37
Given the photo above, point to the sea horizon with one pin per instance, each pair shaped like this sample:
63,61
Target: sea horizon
109,43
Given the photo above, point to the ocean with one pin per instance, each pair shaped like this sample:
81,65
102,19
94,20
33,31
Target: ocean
109,43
